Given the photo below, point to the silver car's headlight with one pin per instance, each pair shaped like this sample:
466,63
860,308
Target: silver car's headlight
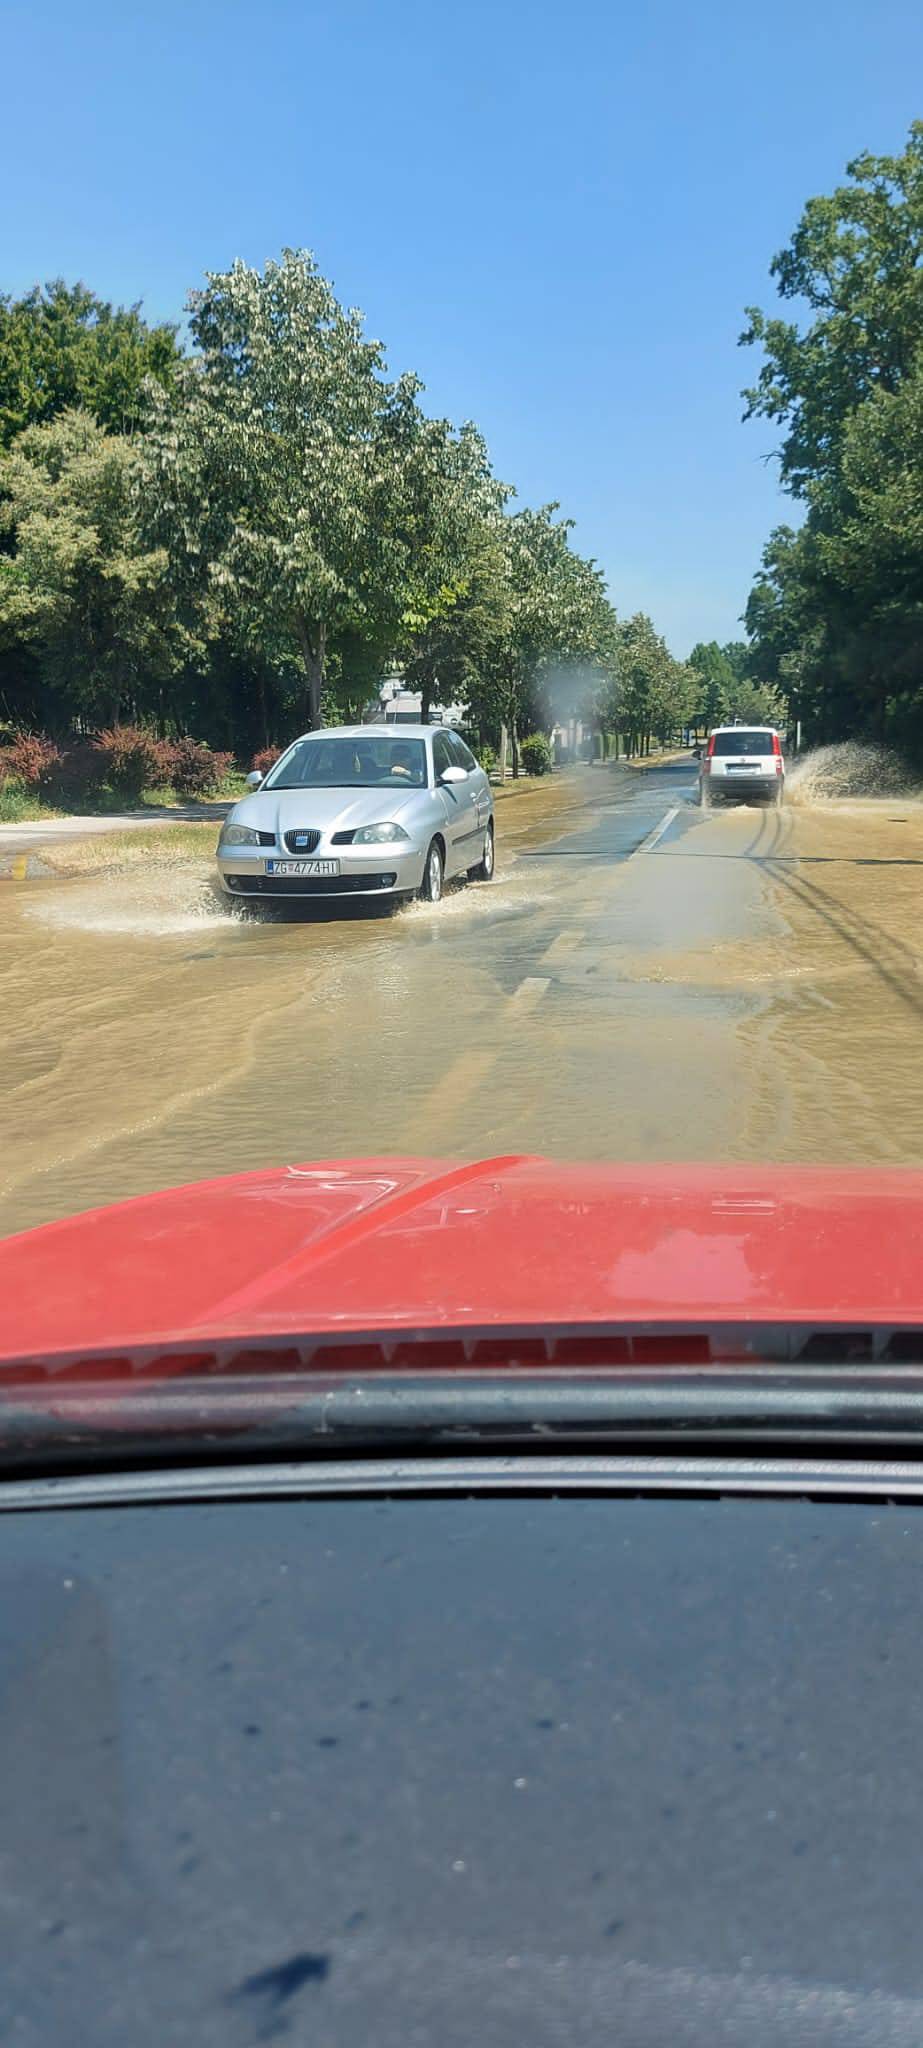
239,835
376,835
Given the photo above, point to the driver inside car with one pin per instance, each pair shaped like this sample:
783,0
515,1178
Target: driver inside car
402,764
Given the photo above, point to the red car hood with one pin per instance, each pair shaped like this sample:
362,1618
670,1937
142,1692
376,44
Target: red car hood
408,1244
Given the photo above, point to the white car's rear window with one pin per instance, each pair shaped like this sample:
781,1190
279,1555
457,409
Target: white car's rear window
740,743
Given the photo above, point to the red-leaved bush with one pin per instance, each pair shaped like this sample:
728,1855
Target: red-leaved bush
266,759
193,768
30,758
130,757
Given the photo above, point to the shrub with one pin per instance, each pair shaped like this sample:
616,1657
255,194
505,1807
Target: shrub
487,758
131,757
192,767
266,759
535,754
30,759
77,778
15,800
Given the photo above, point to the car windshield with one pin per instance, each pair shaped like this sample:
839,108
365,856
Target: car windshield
351,763
461,1024
742,742
461,716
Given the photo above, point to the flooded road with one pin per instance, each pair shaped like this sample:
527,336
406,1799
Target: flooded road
640,981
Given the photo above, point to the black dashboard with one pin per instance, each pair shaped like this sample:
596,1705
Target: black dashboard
540,1770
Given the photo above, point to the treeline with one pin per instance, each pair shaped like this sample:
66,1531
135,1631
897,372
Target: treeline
835,616
237,540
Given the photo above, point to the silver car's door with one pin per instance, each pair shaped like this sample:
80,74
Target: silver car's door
458,804
481,799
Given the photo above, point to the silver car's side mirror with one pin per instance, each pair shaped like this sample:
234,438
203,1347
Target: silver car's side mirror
254,779
453,774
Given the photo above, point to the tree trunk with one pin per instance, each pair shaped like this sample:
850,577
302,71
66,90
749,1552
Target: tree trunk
426,699
312,640
514,743
264,722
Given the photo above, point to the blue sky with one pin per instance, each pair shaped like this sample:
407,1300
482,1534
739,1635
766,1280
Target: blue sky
556,214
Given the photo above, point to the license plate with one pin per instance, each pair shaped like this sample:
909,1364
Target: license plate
744,768
302,867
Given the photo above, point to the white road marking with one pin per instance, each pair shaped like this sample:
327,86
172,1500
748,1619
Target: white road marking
456,1085
653,838
526,995
564,943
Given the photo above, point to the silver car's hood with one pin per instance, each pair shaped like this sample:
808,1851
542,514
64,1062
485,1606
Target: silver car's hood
327,810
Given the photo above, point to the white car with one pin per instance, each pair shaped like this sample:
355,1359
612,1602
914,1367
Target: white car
741,762
362,811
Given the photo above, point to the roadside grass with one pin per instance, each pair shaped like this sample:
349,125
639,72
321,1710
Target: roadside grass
19,805
229,790
659,757
518,786
116,853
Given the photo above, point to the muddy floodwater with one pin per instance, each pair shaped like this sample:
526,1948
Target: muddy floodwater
640,981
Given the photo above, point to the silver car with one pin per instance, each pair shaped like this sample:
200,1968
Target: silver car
362,810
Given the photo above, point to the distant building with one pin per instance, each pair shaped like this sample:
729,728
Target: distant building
572,740
396,705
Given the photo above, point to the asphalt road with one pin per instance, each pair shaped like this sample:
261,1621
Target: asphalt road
640,981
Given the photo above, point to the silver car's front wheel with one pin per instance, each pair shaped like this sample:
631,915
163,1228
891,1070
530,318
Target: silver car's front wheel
431,890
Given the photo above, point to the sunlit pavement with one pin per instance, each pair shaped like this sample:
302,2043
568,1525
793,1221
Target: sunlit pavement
640,981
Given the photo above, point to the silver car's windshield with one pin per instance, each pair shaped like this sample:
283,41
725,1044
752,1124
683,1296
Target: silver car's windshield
359,763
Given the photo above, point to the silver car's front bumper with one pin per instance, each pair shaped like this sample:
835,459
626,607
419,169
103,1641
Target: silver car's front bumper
384,870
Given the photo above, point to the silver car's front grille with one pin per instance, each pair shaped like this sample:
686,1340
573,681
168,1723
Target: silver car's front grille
302,839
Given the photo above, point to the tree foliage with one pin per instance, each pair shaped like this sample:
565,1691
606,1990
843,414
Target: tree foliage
835,616
546,612
285,474
80,587
61,347
856,261
240,540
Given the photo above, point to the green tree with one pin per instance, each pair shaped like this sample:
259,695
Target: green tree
715,676
453,505
646,681
449,651
280,474
723,687
834,616
62,347
546,610
856,262
80,589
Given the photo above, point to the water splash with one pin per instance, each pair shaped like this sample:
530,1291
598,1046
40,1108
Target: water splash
164,903
851,768
486,900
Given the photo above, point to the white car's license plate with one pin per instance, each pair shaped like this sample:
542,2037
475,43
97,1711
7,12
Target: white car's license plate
744,768
302,867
